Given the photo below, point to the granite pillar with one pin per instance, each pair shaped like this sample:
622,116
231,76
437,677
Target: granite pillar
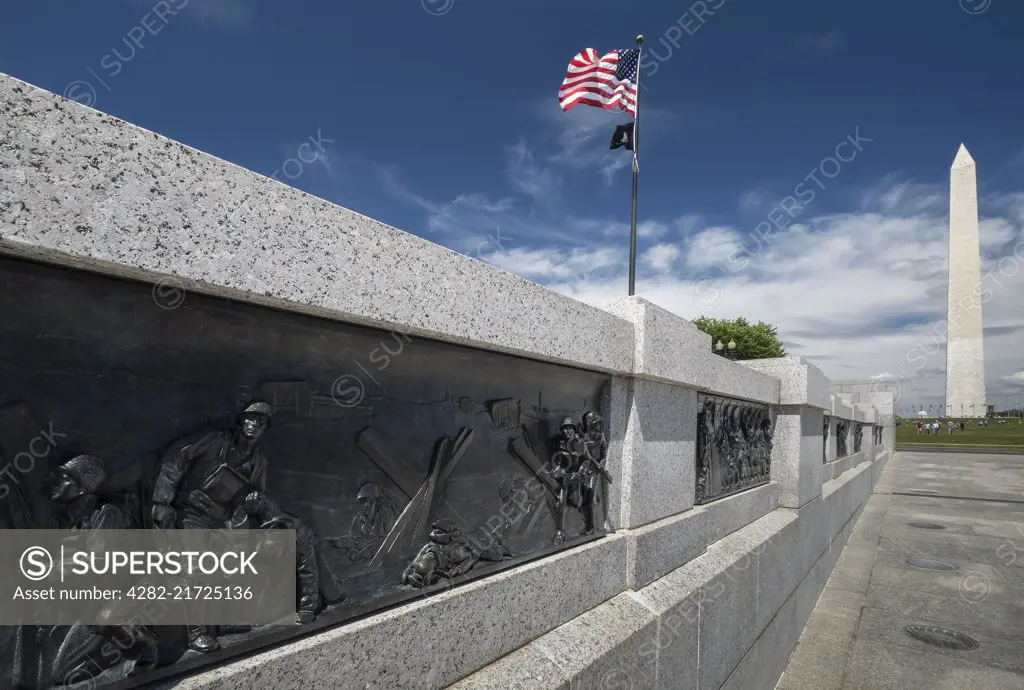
796,446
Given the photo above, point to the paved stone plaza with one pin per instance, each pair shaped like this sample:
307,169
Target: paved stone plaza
855,638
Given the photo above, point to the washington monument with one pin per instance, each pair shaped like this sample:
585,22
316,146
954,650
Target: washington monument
965,356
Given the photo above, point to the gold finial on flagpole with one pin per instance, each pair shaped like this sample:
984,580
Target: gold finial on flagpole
639,39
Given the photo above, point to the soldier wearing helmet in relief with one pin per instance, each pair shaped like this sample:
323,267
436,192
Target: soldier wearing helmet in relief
76,484
204,480
565,465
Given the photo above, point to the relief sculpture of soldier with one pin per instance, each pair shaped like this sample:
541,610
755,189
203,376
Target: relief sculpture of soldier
451,552
311,570
370,526
564,463
76,487
737,446
766,435
710,440
578,467
593,471
203,481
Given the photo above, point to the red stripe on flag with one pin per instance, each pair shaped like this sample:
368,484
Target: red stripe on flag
592,81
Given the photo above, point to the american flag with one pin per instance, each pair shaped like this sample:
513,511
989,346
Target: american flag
606,83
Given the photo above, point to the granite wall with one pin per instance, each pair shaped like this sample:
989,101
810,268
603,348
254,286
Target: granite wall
676,595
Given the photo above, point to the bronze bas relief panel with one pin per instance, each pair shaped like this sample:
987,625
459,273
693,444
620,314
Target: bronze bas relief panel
734,446
826,424
842,433
405,465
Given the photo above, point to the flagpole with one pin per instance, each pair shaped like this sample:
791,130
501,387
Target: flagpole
636,172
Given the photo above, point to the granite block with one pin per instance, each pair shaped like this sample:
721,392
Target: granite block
620,437
711,599
732,379
807,594
613,643
99,193
864,484
840,503
441,638
527,668
842,466
765,661
831,448
841,408
728,616
670,349
659,450
779,566
796,454
869,412
814,536
657,549
732,513
847,463
880,392
817,387
884,404
800,382
676,599
828,561
836,468
660,336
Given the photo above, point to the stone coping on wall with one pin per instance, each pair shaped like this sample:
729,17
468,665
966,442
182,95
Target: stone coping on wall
877,394
111,197
801,383
868,411
835,468
670,349
841,409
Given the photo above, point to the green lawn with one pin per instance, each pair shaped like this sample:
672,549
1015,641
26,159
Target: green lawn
1009,435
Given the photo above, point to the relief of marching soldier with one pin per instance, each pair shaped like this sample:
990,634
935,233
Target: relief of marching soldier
578,466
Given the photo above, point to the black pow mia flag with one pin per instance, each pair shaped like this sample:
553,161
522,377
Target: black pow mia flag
623,137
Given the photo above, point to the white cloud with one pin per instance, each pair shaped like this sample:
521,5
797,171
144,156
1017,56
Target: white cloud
712,246
856,293
527,175
553,264
660,257
756,202
581,136
906,197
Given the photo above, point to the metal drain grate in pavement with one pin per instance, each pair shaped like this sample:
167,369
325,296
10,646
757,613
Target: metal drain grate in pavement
942,637
926,525
930,564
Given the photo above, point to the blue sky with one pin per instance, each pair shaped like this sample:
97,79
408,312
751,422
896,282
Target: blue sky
440,117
